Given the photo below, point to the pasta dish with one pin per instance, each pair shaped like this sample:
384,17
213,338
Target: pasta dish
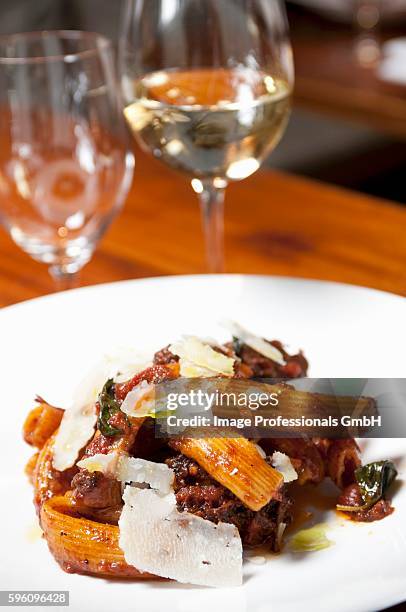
116,501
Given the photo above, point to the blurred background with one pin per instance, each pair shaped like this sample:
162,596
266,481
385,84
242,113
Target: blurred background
349,121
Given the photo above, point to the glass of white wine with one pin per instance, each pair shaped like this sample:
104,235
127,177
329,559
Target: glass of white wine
207,86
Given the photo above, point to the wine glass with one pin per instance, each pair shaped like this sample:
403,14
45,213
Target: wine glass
65,162
207,86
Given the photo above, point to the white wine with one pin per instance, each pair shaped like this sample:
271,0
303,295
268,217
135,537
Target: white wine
210,122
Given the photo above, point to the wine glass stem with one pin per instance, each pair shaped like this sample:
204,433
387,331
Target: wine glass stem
64,279
212,209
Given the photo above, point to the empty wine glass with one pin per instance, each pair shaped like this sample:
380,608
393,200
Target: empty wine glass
65,163
207,87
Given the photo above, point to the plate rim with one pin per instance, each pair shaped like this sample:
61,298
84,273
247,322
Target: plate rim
232,275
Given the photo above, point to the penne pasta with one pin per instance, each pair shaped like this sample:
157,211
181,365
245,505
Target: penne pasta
237,465
41,423
81,545
342,461
46,480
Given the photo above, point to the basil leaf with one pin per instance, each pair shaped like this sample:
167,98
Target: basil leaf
108,407
374,480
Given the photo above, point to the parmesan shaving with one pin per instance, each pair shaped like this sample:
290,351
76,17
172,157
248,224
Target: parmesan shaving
156,538
125,372
79,420
107,464
199,360
140,401
125,362
158,475
283,464
130,469
257,343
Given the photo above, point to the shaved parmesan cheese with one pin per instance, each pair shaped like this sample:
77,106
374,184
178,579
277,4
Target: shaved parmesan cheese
158,475
283,464
199,360
125,372
140,401
76,429
156,538
131,469
107,464
79,420
257,343
125,362
190,370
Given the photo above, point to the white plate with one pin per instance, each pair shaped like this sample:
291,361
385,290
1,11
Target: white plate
47,344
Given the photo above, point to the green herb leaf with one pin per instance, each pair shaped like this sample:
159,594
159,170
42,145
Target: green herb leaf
108,406
374,480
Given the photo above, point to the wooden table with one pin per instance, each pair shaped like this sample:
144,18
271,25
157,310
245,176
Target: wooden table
329,79
275,224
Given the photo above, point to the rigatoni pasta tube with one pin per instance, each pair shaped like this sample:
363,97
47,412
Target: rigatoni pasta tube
41,423
83,546
237,465
46,480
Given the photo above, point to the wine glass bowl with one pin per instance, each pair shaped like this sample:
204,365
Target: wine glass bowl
210,124
207,87
65,163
